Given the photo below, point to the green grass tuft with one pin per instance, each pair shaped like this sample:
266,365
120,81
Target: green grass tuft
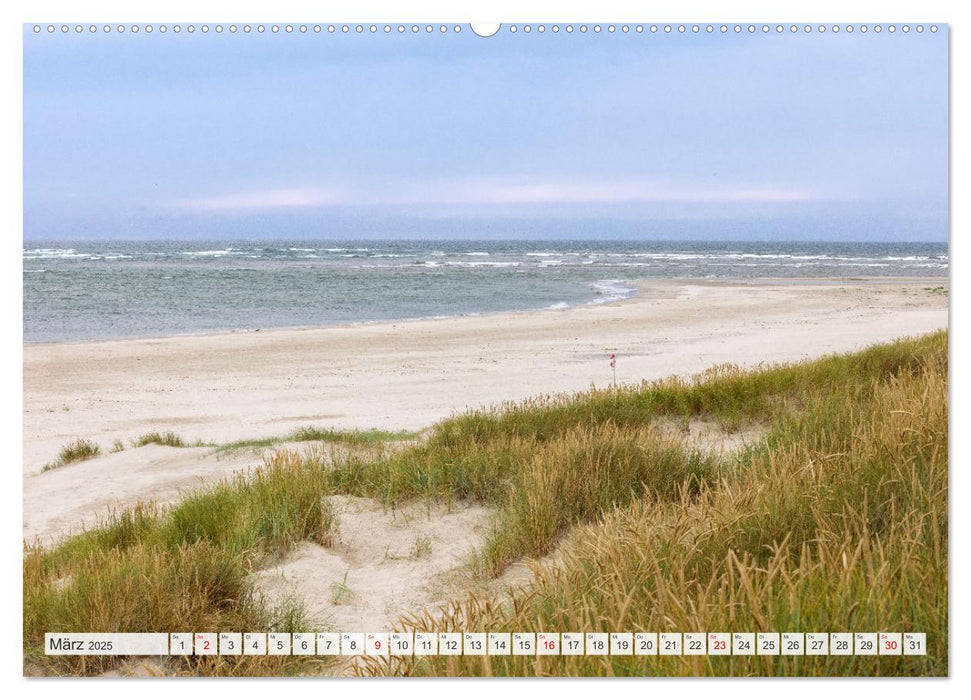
76,451
351,438
156,438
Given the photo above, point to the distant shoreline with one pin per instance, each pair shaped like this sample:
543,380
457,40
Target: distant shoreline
635,284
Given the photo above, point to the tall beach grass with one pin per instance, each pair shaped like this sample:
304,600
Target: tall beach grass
836,522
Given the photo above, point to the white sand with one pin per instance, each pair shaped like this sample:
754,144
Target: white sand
405,375
384,564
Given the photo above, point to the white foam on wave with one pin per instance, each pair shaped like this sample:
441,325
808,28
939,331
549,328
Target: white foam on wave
211,253
47,253
612,290
483,263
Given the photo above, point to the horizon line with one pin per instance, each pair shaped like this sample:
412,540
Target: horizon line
480,240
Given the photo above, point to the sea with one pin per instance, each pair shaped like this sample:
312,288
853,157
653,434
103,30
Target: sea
96,290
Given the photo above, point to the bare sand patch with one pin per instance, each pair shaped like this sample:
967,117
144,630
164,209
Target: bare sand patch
709,436
386,562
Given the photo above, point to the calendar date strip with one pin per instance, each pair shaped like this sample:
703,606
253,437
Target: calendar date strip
398,644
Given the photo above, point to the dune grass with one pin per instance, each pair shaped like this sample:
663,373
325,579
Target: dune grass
249,444
352,438
836,520
577,479
75,451
156,438
184,568
168,439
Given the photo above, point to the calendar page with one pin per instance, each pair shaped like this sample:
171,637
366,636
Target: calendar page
443,349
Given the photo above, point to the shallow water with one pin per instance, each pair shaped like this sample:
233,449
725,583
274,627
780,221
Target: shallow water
76,290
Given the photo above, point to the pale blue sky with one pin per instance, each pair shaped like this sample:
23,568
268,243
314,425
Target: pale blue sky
346,136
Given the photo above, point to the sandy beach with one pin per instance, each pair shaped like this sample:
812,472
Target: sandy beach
406,375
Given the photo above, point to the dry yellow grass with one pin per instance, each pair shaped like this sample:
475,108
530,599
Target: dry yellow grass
837,523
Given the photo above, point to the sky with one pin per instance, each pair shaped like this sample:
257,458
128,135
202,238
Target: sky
332,136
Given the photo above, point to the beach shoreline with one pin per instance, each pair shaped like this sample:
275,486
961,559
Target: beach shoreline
407,375
637,286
